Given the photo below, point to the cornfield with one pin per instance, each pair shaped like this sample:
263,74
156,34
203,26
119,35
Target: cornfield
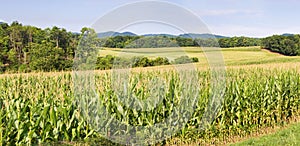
41,108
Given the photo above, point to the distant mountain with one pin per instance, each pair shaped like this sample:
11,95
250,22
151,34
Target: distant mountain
167,35
287,34
202,36
112,33
187,35
76,33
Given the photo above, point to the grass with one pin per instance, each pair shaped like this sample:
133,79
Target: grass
287,136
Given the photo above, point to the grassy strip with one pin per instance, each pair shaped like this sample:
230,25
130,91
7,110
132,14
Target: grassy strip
288,136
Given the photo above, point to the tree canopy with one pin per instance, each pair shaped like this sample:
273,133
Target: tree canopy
164,41
28,48
286,45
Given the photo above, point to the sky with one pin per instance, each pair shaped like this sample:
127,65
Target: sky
253,18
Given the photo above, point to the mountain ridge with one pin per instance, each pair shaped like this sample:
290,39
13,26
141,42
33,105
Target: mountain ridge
287,34
185,35
203,35
162,34
112,34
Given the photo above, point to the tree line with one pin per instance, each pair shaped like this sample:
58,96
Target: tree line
286,45
164,41
28,48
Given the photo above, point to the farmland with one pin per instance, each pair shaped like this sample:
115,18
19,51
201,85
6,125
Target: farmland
262,90
232,56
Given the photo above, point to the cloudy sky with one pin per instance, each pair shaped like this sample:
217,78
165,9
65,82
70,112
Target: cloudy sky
255,18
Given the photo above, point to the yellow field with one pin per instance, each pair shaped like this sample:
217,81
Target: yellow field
232,56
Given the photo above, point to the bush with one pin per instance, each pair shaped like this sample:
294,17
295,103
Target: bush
109,62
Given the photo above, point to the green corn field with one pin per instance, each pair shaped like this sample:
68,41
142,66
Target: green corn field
41,108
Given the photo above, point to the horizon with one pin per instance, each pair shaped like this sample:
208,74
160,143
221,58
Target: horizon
251,18
193,33
157,33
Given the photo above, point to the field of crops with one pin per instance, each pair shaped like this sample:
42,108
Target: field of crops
42,107
232,56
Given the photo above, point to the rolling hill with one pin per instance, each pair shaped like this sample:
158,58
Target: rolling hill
203,36
153,35
112,33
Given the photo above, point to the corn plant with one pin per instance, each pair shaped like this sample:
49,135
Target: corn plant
39,108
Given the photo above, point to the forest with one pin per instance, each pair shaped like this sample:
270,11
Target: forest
28,48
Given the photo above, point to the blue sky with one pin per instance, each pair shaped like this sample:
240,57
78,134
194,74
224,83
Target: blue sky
256,18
